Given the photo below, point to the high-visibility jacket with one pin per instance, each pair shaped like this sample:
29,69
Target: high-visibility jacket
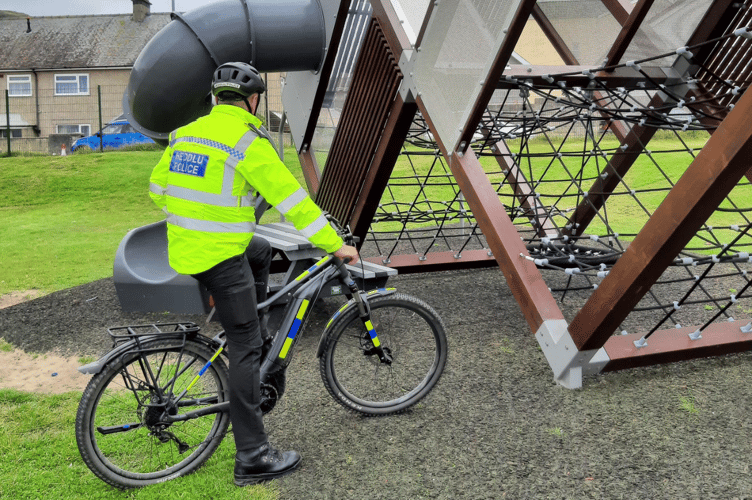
206,183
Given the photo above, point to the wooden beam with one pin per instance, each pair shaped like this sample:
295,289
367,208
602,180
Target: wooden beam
715,23
384,12
628,31
620,9
326,71
553,36
525,194
437,261
583,75
497,68
523,278
311,171
715,171
375,82
671,345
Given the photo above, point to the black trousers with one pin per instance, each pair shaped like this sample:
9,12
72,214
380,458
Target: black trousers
235,284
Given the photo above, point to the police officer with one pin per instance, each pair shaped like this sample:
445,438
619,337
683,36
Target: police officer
205,183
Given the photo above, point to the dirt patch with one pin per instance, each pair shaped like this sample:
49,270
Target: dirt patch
43,373
13,298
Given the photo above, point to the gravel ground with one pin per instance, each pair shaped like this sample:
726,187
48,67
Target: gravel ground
495,427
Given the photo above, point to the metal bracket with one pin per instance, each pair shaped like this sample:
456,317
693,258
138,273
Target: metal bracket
567,362
407,89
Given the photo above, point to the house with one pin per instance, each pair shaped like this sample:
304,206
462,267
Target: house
57,70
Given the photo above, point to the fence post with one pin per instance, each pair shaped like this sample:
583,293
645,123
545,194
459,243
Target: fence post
7,119
99,99
282,135
267,114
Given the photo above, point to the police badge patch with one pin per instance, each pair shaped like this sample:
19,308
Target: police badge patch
188,163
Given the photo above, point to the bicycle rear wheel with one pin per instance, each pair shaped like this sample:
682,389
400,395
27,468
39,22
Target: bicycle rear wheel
410,333
120,428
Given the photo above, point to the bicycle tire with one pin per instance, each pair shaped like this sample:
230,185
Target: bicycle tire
123,394
413,335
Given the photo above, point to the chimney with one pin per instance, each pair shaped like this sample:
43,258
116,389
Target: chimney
141,9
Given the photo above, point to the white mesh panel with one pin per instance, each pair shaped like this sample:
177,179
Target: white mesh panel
459,46
586,26
411,14
668,26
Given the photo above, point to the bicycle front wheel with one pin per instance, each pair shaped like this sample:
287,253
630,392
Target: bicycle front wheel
122,429
414,342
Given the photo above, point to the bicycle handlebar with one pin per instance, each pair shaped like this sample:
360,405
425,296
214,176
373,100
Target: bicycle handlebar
343,232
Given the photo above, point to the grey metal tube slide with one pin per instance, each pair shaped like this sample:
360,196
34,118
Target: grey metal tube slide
170,80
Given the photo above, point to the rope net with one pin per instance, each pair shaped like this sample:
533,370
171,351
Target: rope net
548,148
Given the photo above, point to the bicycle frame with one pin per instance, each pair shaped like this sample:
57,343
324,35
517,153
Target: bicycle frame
303,291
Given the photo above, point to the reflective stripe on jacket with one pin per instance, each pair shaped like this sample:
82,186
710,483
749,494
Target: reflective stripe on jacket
205,183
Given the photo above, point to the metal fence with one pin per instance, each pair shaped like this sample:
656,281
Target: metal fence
51,121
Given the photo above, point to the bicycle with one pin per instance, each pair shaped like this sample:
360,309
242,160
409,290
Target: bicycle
157,406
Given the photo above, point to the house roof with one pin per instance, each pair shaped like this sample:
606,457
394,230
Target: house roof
76,41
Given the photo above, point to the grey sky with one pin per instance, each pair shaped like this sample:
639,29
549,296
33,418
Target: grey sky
39,8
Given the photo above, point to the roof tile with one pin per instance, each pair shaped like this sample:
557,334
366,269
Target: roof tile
76,41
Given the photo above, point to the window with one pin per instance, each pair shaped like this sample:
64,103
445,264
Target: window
71,84
83,129
19,86
115,128
14,133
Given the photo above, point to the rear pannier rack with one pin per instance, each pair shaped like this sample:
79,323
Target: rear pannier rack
121,334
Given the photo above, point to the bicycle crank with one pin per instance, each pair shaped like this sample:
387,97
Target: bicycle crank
269,398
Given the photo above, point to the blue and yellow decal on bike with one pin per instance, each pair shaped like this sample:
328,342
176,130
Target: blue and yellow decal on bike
339,311
294,329
312,268
372,333
380,291
203,370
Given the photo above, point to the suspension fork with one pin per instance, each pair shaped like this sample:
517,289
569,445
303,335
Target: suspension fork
364,311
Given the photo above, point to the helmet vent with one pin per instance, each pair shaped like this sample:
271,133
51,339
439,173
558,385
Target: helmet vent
238,78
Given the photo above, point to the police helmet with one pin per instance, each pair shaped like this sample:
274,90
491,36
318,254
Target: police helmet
237,78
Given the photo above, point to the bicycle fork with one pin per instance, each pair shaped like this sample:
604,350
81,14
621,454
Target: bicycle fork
364,312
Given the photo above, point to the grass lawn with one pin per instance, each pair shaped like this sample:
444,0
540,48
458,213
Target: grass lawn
41,459
63,217
556,180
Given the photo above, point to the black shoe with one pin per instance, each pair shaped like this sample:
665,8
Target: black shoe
264,464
